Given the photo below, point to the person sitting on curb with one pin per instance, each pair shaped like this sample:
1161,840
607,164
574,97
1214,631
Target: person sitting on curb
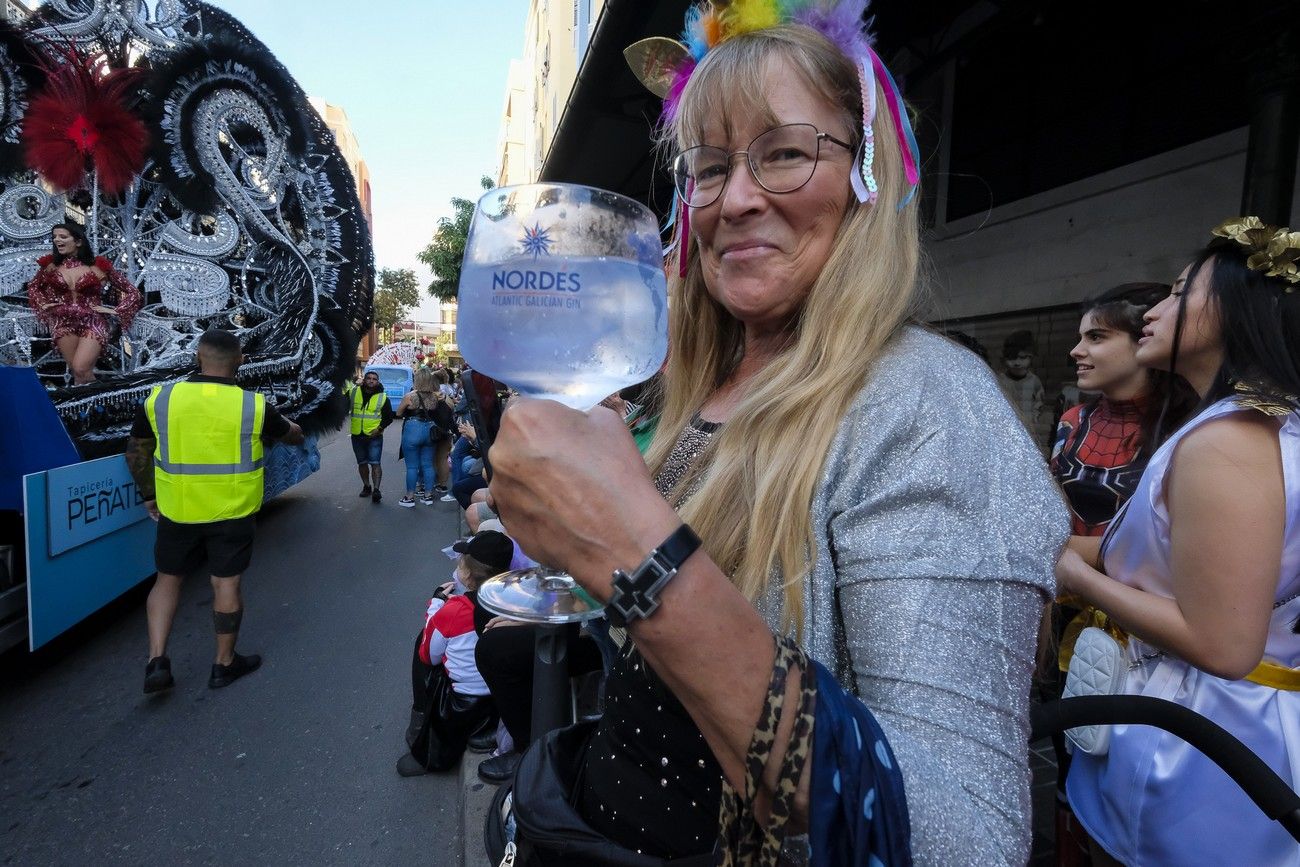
446,649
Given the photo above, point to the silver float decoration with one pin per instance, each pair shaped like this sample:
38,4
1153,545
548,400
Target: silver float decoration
188,286
246,218
27,214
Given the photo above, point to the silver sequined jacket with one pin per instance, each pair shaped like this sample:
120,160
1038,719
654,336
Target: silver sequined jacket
937,529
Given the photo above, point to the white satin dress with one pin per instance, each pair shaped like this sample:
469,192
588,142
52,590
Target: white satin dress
1153,799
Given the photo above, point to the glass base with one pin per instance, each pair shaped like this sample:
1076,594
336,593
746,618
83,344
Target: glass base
539,595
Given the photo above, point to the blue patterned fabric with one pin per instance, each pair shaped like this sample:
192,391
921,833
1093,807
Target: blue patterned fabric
288,465
858,810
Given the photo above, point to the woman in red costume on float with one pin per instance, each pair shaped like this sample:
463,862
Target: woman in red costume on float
68,294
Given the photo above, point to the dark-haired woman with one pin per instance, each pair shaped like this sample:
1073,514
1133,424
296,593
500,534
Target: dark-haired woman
68,295
1101,447
1102,444
1202,568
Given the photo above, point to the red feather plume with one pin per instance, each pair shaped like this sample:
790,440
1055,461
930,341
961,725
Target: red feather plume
80,121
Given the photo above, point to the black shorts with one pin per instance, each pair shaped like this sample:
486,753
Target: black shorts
227,546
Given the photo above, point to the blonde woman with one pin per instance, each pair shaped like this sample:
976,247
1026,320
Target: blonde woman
445,419
901,524
417,411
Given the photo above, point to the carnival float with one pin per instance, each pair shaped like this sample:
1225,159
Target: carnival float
201,173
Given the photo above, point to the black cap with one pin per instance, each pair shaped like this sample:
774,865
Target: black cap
494,550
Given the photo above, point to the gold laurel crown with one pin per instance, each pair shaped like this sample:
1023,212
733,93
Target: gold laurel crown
1274,250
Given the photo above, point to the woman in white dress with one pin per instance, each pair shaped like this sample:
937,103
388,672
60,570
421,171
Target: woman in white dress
1202,569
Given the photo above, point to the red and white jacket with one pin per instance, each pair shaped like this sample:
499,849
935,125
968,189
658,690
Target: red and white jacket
449,638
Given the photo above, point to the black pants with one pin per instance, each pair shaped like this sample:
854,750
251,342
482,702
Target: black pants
437,735
504,657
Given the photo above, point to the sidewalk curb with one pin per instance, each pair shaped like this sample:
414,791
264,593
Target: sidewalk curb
475,798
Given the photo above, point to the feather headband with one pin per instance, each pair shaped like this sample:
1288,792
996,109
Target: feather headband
665,65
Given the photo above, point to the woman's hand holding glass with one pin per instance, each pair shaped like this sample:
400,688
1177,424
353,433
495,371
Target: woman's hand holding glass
546,459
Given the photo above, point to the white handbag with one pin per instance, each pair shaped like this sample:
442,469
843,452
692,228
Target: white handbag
1099,666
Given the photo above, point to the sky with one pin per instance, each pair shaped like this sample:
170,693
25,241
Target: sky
423,83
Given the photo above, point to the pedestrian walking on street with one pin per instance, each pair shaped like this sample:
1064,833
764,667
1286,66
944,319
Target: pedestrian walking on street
196,454
370,415
420,433
445,418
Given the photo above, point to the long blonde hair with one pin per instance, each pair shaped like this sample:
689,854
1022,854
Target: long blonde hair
425,381
752,490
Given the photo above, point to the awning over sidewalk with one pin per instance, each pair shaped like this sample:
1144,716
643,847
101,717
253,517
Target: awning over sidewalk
603,138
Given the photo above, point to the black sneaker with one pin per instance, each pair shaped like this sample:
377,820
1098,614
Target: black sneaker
225,675
376,497
158,675
440,489
365,492
500,768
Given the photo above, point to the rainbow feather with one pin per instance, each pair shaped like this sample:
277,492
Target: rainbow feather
693,34
841,23
703,31
746,16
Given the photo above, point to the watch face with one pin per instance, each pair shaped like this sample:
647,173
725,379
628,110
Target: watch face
637,597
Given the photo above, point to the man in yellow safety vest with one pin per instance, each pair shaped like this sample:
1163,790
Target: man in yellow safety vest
196,453
370,414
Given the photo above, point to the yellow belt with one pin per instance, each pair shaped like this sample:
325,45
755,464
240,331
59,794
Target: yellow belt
1268,674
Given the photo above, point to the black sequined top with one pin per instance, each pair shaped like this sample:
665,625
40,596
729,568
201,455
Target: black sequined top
651,782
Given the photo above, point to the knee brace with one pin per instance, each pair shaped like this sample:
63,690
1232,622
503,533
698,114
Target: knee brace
227,622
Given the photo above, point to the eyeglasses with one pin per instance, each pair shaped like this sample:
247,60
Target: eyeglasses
781,160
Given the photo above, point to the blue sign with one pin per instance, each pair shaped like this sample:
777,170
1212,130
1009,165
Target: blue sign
85,502
111,553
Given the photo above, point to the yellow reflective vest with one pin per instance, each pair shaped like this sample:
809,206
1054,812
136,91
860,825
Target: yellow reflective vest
366,412
208,459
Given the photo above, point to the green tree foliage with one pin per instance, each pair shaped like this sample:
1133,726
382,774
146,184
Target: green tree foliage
397,293
445,251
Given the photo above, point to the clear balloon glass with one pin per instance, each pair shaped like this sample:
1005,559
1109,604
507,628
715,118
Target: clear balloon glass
562,297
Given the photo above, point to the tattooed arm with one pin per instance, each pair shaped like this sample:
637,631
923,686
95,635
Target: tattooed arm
139,460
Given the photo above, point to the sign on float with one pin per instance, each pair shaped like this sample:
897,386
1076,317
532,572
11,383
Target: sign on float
85,502
87,543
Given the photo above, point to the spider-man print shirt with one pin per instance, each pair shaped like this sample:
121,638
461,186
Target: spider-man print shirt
1095,461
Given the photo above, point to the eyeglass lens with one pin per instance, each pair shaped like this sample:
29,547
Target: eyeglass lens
781,160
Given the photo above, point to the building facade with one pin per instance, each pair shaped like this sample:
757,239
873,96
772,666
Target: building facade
515,139
336,118
556,37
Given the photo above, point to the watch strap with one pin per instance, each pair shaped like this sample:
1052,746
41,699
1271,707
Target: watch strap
636,593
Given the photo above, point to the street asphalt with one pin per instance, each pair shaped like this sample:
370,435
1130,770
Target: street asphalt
293,764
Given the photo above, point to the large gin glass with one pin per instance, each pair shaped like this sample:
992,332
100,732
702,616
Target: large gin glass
562,297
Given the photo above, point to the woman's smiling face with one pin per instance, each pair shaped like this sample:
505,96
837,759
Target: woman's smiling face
1105,359
761,251
64,242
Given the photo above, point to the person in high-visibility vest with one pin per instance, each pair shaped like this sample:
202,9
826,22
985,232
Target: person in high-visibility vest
369,414
196,453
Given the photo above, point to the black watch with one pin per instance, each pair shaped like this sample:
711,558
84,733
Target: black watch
636,594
